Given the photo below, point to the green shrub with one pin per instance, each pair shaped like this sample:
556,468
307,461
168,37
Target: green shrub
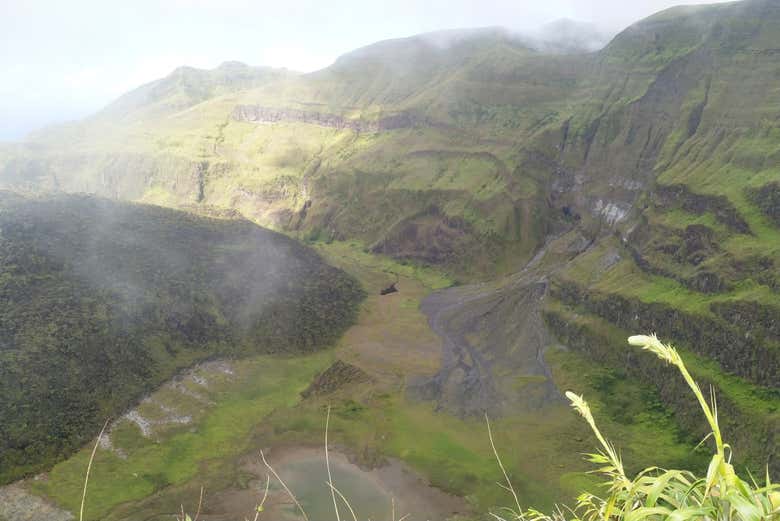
657,494
654,494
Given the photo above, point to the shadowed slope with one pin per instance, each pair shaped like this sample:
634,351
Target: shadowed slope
106,300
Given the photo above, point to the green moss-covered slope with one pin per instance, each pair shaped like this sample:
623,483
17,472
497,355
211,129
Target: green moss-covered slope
656,157
102,301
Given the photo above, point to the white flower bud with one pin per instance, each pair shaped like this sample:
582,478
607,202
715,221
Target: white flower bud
640,340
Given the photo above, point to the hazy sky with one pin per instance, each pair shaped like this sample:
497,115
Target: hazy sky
62,60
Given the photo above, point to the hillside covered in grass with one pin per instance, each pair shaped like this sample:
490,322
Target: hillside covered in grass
103,301
591,195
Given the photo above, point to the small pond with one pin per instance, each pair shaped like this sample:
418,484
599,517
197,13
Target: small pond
370,492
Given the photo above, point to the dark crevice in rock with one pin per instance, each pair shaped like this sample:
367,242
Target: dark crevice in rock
590,136
694,120
201,169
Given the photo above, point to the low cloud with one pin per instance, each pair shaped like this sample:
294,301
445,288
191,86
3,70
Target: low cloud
70,59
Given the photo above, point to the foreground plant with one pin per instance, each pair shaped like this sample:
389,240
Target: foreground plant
657,494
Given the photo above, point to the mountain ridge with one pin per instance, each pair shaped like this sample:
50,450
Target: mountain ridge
648,168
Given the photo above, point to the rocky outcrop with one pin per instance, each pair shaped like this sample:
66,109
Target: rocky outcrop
730,345
768,199
339,374
753,435
429,237
669,252
260,114
680,196
758,320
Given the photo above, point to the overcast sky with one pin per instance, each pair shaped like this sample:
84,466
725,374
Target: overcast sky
62,60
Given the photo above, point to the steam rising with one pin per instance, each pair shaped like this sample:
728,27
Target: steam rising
109,299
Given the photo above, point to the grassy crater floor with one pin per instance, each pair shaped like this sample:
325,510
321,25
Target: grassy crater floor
233,410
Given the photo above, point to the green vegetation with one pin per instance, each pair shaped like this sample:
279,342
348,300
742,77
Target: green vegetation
371,421
446,451
656,493
642,180
743,402
139,466
107,300
354,258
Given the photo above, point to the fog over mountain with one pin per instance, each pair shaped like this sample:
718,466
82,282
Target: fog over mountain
64,61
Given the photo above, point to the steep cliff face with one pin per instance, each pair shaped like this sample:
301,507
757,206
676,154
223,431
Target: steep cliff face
698,247
259,114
